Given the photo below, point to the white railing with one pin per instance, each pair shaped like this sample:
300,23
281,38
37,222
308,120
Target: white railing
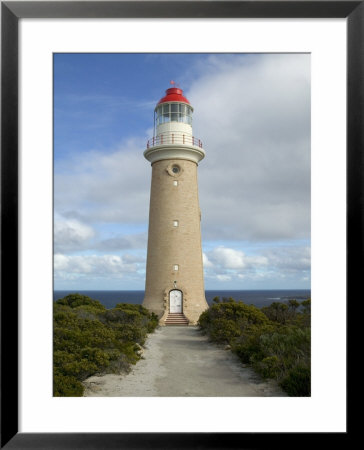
173,138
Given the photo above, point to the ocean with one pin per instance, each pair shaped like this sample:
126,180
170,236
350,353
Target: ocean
258,298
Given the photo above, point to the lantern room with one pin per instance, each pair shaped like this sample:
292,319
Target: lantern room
173,136
173,113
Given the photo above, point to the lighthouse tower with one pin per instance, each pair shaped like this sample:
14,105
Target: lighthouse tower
174,287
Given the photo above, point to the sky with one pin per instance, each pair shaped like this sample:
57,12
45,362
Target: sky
252,113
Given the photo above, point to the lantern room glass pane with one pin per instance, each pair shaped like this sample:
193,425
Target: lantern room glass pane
175,112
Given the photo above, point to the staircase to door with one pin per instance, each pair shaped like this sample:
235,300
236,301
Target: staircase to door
176,319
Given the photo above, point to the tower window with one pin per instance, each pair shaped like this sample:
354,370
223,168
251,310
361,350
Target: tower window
173,112
174,170
175,183
175,267
175,223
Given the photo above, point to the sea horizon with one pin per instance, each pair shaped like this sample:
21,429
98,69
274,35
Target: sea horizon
257,297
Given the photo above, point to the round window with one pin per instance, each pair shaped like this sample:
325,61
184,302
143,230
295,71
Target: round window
174,170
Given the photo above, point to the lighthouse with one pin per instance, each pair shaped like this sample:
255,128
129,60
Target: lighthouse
174,287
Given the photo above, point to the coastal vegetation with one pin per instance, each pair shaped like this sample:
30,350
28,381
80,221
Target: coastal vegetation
90,339
274,340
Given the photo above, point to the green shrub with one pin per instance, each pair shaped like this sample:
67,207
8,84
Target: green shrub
74,300
288,346
278,312
66,386
292,342
89,339
223,330
275,341
237,315
268,367
298,382
306,304
96,355
290,313
248,345
152,323
205,319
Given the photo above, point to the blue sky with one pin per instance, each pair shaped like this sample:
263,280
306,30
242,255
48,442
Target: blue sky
252,113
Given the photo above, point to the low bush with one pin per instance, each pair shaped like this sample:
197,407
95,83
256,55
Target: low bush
268,367
89,339
275,341
225,321
298,382
224,330
66,386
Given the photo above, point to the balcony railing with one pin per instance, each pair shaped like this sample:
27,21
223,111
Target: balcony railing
173,138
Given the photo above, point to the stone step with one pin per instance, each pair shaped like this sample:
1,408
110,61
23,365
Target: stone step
176,319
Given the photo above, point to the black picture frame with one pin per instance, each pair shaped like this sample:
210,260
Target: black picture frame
11,12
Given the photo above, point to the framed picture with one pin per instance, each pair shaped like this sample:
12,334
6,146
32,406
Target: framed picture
26,272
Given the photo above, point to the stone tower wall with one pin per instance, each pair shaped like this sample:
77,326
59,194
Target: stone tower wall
169,245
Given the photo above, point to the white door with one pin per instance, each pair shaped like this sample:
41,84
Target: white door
175,301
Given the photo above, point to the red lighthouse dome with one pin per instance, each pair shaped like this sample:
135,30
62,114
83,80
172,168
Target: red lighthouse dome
173,95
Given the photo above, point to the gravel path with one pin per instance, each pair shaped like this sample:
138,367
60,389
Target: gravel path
180,362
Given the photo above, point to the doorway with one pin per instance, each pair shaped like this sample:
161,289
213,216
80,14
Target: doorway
175,301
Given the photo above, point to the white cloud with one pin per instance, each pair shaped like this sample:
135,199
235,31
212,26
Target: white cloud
71,234
206,262
228,258
223,277
108,187
120,242
253,117
273,264
60,262
96,265
290,259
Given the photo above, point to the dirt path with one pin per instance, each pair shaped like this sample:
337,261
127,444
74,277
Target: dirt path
180,362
